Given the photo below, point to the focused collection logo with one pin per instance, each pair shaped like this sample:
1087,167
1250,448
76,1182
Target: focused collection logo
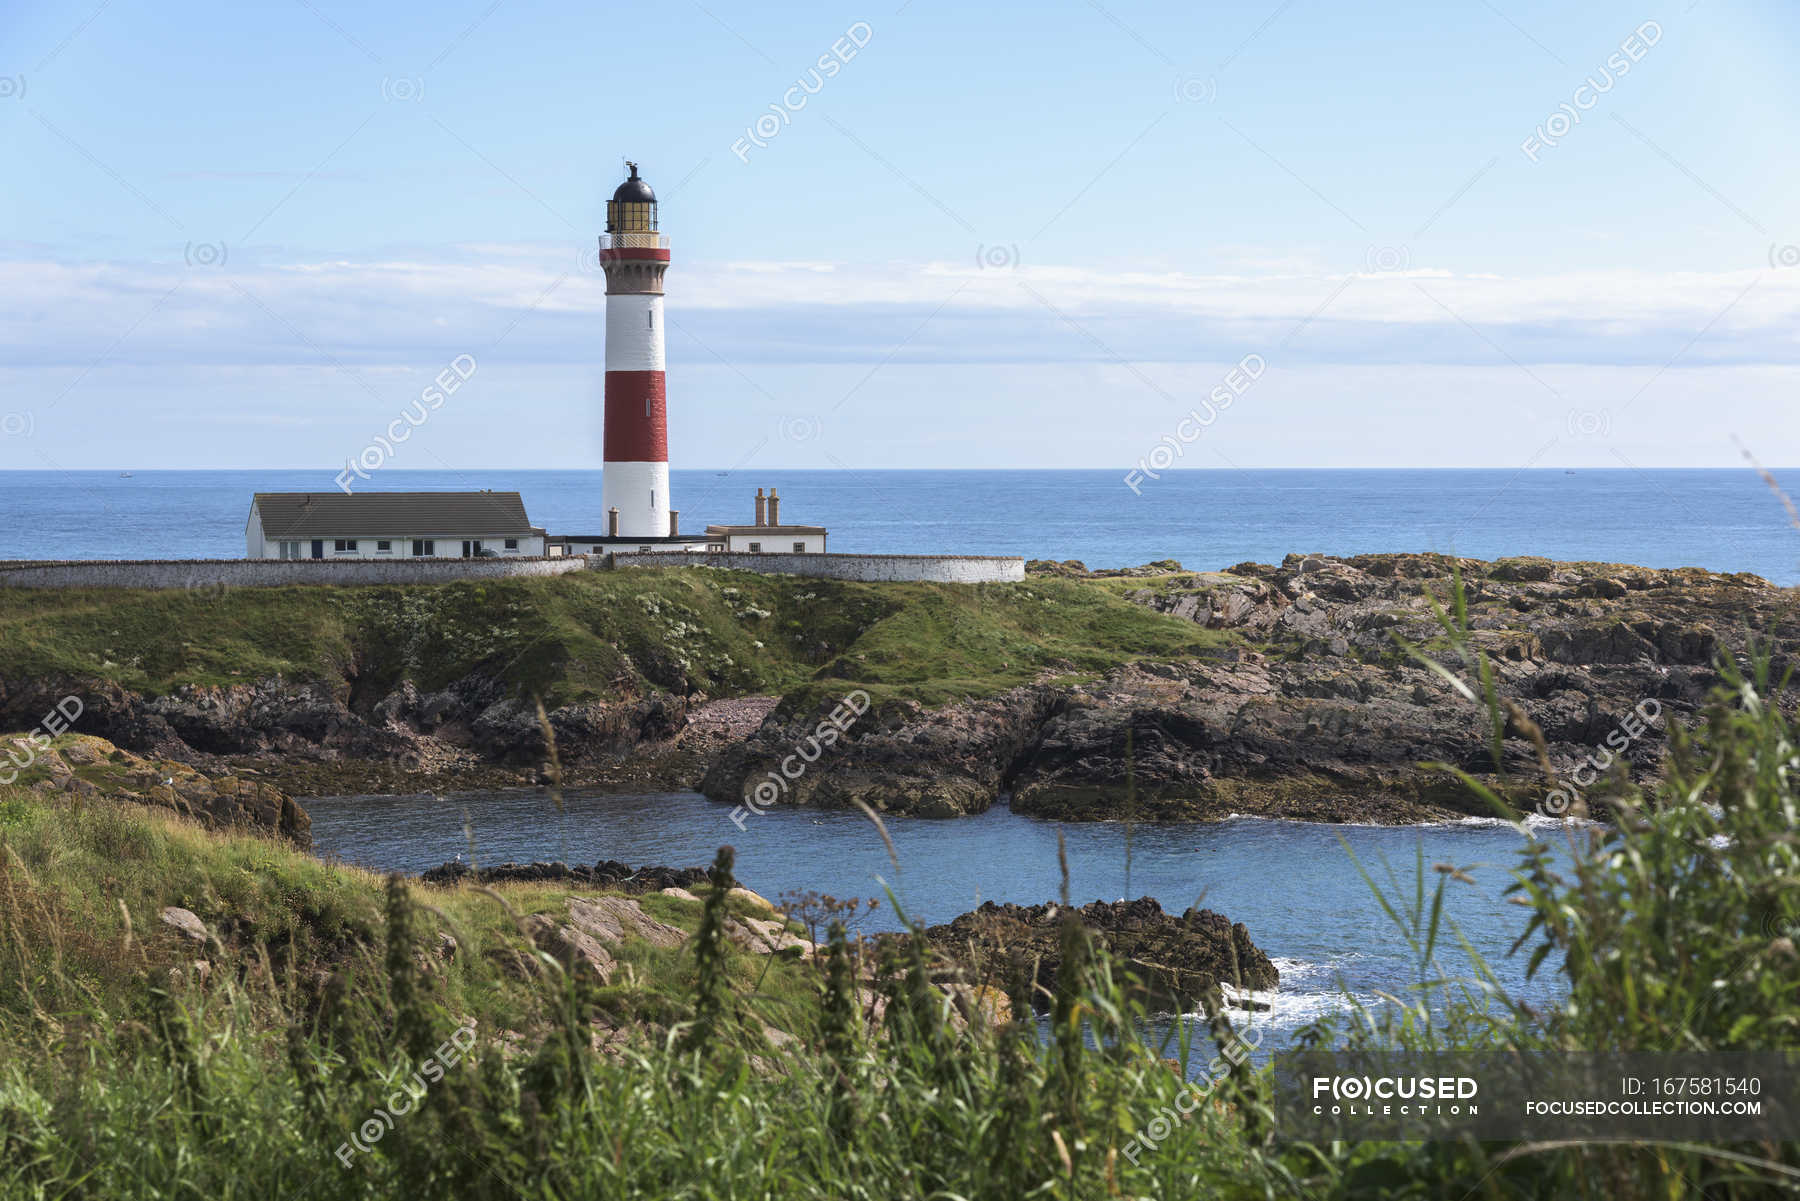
1389,1096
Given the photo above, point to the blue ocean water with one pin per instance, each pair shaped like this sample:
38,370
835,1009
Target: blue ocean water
1328,939
1726,520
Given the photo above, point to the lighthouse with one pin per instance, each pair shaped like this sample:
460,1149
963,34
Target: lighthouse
639,514
635,484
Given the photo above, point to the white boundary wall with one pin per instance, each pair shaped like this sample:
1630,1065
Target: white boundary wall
279,573
939,569
271,573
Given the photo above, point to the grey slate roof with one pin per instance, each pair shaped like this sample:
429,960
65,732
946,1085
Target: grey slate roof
337,515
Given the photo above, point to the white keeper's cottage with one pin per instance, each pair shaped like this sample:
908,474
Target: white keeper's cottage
390,525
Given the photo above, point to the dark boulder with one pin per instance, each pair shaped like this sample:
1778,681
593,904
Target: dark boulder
1174,963
608,873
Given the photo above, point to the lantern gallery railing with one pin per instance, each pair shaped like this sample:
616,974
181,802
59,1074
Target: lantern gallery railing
634,241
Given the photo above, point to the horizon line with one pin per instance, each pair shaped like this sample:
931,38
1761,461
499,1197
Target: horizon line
1218,471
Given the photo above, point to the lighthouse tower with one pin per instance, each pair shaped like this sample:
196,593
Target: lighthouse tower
635,486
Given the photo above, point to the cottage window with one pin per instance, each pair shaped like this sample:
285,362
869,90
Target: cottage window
799,548
384,546
756,548
345,546
424,547
512,544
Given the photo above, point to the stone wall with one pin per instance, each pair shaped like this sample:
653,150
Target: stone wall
270,573
942,569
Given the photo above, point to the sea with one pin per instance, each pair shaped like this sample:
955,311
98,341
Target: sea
1306,892
1725,520
1303,890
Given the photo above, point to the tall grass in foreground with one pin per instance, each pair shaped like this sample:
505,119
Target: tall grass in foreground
210,1098
1673,928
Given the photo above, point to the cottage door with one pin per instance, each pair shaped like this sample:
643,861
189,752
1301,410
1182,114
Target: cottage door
318,548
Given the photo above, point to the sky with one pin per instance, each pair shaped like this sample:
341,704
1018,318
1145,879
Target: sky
1282,233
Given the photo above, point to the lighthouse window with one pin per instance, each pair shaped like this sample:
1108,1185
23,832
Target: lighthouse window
650,318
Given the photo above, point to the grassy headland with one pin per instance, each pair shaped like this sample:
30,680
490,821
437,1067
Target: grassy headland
1285,690
590,635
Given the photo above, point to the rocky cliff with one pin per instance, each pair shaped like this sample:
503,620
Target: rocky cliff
1319,713
1152,692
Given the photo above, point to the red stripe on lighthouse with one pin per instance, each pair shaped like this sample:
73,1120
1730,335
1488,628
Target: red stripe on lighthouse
634,252
637,429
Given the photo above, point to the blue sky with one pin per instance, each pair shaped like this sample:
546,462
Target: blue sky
998,235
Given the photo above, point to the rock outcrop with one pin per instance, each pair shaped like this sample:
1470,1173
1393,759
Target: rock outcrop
948,762
583,941
577,950
608,873
1177,963
85,766
584,938
309,718
1312,709
185,923
614,919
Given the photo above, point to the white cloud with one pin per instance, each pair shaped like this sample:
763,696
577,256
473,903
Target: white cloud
534,303
977,416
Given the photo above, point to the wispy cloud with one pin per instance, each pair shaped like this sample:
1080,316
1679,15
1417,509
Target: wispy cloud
403,308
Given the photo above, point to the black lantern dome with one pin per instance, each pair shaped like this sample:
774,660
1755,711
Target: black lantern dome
633,206
634,190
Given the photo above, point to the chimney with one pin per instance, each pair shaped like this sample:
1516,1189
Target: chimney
674,523
774,508
612,522
761,508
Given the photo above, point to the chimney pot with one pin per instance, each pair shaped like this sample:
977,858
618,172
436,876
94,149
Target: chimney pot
612,522
774,508
674,523
762,512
